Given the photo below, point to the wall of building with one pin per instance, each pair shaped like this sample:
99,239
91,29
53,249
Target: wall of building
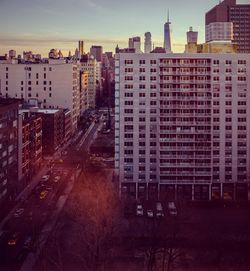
182,120
8,151
55,85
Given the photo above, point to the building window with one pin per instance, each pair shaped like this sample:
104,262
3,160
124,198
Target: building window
128,94
128,103
128,62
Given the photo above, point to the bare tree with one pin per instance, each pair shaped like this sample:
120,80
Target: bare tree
96,207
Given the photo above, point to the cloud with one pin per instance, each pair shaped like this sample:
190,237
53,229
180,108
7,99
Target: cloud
33,39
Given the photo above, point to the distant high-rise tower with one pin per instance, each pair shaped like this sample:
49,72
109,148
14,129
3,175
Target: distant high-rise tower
81,47
192,36
167,36
135,43
147,43
12,54
77,54
96,52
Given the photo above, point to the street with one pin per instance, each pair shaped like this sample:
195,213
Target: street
23,232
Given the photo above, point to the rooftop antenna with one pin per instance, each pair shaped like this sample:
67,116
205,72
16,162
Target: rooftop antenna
168,15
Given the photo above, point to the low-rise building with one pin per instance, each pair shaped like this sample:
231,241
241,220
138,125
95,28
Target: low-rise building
29,146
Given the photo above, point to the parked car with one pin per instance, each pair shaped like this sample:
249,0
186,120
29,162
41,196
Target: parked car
139,210
28,243
45,178
150,213
172,209
43,194
159,210
48,188
18,212
13,239
57,178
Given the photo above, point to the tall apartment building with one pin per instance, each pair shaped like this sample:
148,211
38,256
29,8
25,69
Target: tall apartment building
182,125
89,65
55,84
8,150
229,21
84,90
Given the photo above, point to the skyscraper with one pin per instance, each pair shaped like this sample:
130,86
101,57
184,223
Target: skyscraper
96,52
81,47
135,43
229,21
147,43
167,36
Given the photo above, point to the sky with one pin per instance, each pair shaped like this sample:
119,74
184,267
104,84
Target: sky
40,25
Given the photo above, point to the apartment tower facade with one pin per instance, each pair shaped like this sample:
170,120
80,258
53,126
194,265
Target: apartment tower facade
183,125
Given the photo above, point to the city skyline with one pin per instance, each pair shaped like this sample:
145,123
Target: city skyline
59,24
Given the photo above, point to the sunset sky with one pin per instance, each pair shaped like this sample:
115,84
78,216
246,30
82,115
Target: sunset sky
40,25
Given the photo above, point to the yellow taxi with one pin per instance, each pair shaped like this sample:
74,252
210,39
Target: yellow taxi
43,194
